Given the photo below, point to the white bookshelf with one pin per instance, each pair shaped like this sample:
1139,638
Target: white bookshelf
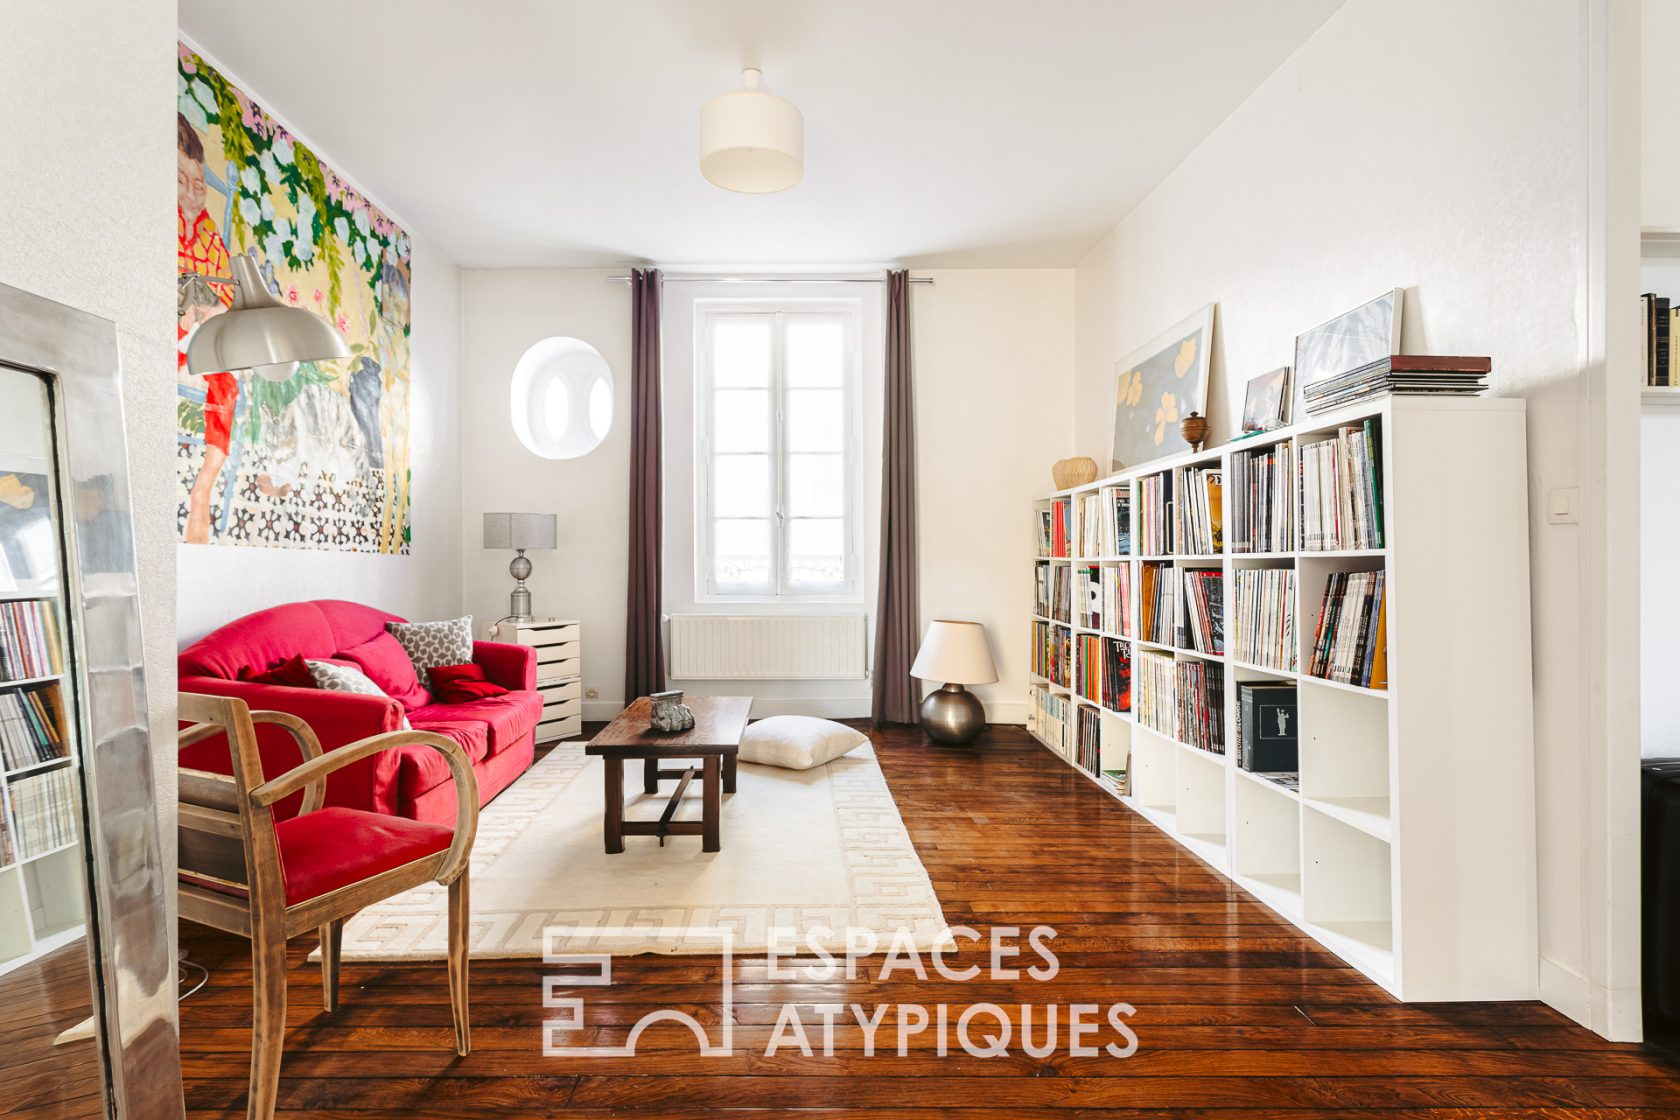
1409,849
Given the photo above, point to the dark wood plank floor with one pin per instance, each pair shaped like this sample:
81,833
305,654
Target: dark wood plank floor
1237,1013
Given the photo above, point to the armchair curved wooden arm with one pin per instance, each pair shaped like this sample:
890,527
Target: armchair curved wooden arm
235,876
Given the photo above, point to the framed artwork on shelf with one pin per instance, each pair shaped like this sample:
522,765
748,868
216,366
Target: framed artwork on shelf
1266,403
1350,340
1156,386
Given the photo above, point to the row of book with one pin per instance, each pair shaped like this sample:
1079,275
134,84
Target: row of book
1159,603
1050,714
1260,499
1117,675
1342,491
1088,741
1200,695
1052,647
1104,595
1087,670
1204,614
1433,375
1200,511
29,640
1055,528
44,811
1660,316
1350,644
1268,727
1266,618
1154,675
8,854
1155,514
30,730
1053,592
1105,522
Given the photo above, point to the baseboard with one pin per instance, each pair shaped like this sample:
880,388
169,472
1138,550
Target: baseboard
838,707
1617,1015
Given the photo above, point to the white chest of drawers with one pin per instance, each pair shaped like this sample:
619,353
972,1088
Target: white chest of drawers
559,646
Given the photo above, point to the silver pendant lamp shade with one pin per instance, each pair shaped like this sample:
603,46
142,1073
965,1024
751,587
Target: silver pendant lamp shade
751,141
260,333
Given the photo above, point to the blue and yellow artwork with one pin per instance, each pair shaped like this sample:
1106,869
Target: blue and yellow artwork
1158,385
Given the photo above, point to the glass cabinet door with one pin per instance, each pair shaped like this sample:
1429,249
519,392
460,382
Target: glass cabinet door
52,1058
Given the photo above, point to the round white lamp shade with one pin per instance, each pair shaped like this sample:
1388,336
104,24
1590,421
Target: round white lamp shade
751,141
955,653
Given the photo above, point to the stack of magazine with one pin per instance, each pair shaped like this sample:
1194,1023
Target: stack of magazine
1402,374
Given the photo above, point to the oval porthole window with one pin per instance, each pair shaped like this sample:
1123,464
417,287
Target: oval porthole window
562,398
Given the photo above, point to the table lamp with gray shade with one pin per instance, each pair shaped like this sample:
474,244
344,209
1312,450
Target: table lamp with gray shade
519,531
956,653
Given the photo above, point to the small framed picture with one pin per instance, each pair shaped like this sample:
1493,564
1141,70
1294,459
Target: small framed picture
1350,340
1266,404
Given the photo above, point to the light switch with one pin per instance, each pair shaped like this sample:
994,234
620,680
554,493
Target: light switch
1563,506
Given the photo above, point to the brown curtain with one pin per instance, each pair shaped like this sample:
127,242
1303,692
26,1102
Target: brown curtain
644,645
898,608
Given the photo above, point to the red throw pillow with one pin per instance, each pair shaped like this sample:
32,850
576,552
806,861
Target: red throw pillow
387,665
462,684
292,673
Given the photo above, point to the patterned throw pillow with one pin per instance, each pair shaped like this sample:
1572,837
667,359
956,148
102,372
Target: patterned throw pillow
431,644
332,677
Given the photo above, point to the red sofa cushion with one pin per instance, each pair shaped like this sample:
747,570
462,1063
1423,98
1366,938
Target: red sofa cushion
462,684
509,717
263,639
292,673
420,768
386,664
332,848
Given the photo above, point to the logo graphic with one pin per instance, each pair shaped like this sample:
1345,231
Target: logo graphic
572,1007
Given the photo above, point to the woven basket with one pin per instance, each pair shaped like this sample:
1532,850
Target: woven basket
1074,472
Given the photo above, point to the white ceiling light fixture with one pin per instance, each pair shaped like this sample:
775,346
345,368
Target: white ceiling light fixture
752,141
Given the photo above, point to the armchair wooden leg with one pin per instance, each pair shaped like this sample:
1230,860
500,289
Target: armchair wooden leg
332,942
268,1020
459,927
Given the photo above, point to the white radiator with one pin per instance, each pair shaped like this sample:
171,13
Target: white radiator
767,647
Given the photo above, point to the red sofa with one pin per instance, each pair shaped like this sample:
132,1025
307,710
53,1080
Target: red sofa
498,733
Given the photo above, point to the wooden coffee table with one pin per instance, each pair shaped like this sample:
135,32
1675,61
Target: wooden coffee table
714,741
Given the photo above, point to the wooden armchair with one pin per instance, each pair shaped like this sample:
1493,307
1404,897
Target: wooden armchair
245,873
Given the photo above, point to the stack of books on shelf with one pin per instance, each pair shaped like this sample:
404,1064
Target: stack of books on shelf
1055,528
1350,643
1049,714
1090,599
44,811
1342,490
29,727
1050,652
1268,730
1053,592
1116,610
1204,614
1117,522
1156,517
1155,691
1091,540
1660,316
1200,513
1266,617
1160,603
1088,669
1401,375
8,854
29,640
1089,742
1117,675
1201,706
1260,499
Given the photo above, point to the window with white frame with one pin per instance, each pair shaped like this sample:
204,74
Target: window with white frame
777,415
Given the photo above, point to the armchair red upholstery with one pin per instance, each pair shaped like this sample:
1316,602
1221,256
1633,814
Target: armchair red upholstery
498,735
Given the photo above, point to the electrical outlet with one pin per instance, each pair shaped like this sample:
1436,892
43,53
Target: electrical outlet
1563,507
591,694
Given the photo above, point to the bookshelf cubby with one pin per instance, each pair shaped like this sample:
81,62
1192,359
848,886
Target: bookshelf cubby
1408,847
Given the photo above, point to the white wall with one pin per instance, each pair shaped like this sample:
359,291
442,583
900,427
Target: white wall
1659,79
1439,146
994,360
221,582
87,218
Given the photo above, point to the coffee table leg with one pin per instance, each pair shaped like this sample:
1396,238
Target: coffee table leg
650,775
729,774
712,808
613,818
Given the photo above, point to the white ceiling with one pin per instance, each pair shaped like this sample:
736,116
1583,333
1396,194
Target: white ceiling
963,133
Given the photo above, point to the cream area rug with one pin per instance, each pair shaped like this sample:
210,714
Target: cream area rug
806,851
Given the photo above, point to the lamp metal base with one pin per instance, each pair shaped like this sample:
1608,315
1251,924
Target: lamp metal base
953,715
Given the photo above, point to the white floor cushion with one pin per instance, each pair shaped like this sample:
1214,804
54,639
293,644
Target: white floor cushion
798,742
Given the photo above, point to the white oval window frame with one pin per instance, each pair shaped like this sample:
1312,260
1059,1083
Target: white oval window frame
575,369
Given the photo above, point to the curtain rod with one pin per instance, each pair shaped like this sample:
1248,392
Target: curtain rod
774,279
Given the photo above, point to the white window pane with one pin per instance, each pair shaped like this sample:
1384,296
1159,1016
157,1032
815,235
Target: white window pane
600,408
741,350
741,553
741,486
741,420
816,420
816,351
816,485
816,552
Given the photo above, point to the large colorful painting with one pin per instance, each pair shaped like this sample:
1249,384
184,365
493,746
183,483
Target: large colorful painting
321,459
1158,385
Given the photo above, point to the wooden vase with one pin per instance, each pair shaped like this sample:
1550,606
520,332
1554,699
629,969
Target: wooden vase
1194,429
